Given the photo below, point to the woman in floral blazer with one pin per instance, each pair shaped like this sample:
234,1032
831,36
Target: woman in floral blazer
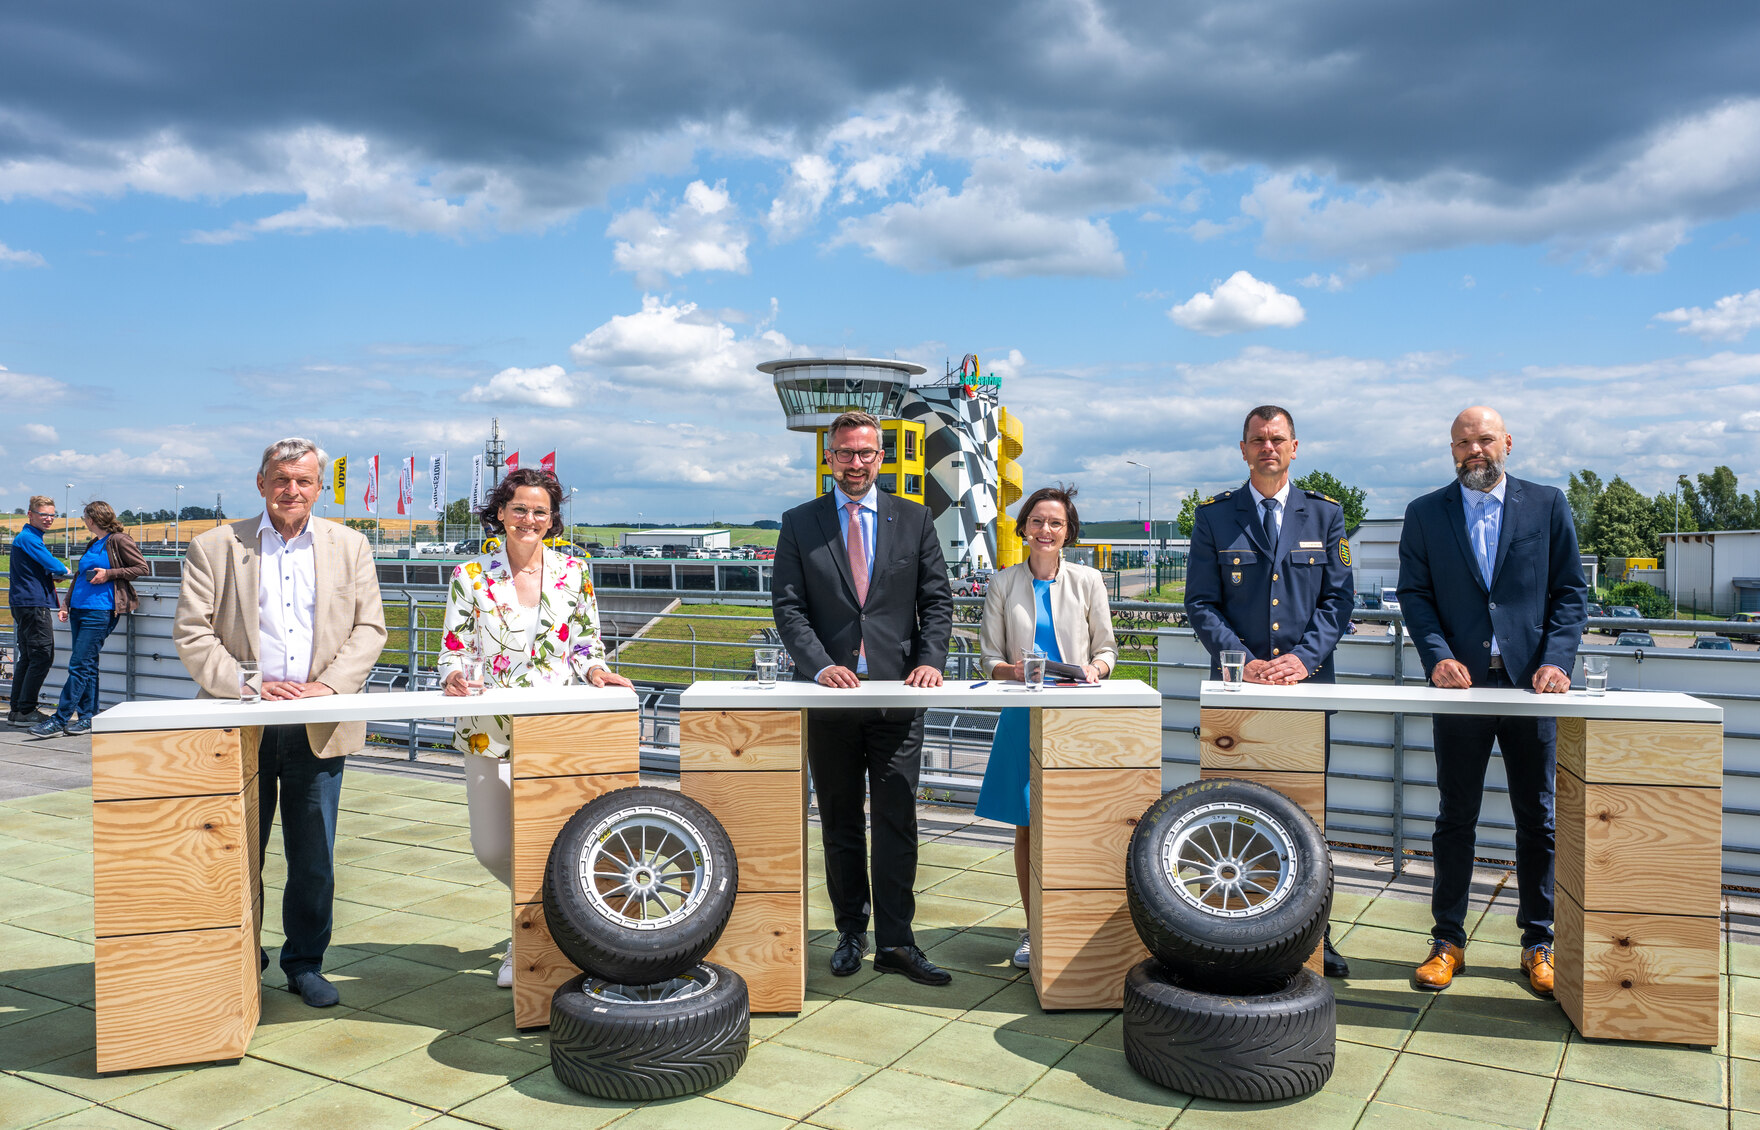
529,613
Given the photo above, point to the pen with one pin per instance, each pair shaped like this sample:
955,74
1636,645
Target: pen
979,683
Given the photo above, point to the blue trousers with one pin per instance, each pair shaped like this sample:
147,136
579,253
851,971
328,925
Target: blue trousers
79,695
308,788
1530,753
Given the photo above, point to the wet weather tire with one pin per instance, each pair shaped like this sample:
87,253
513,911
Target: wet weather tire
631,1043
1229,884
1260,1048
639,885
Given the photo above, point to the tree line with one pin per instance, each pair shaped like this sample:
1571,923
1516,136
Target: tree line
1615,520
1350,498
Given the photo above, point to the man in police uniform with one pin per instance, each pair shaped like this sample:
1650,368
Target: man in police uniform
1269,573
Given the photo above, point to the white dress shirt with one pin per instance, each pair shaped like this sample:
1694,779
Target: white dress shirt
287,597
1282,496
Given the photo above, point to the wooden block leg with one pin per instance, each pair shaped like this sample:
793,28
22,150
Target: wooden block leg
1083,945
766,943
1637,976
538,967
182,997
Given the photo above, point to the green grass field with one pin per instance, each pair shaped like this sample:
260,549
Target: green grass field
612,535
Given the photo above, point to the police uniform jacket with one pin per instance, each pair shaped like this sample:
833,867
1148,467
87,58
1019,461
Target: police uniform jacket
1291,598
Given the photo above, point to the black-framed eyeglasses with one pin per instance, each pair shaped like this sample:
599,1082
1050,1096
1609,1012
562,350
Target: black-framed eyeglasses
851,455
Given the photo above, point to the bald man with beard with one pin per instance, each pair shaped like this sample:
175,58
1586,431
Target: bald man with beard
1493,592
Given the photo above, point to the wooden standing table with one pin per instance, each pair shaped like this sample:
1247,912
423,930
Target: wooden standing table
1096,766
1639,801
177,896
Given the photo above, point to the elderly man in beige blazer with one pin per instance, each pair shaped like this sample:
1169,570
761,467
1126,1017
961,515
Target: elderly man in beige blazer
298,596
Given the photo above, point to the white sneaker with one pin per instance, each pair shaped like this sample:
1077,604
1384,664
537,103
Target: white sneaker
504,979
1023,953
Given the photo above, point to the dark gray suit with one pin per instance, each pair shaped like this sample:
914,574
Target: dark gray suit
1536,605
905,623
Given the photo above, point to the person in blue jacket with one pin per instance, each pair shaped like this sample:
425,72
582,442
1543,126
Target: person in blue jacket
35,573
1269,574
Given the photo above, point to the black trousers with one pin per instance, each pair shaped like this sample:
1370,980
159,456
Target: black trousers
34,645
880,751
1530,755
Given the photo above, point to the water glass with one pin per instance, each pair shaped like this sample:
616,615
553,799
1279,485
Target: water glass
250,681
764,660
1595,674
473,674
1234,670
1033,669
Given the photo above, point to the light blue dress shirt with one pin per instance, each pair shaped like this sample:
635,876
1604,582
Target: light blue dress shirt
1484,525
869,515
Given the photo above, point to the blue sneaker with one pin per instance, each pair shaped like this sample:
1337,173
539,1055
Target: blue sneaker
78,727
47,728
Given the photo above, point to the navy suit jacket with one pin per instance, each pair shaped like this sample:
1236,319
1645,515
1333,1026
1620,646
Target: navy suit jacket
1233,577
1537,602
908,617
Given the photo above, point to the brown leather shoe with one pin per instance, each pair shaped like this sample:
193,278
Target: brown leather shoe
1537,964
1445,960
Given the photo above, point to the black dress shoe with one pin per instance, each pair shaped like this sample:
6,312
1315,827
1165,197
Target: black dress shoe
847,957
313,989
910,961
1331,961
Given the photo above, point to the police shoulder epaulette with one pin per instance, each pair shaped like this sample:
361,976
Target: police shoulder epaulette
1215,498
1323,497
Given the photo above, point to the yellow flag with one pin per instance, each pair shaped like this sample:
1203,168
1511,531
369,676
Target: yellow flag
340,475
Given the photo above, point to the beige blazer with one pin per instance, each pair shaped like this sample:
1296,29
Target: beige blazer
216,624
1081,616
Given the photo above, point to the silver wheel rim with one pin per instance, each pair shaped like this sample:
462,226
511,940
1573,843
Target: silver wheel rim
1229,860
695,983
644,868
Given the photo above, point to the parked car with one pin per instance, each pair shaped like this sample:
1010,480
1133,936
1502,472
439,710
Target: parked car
436,548
1596,609
1390,600
766,553
1712,643
1619,612
1367,600
1635,639
470,547
969,586
1744,618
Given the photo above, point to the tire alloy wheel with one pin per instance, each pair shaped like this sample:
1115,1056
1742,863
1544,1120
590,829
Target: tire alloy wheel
645,868
1230,859
677,989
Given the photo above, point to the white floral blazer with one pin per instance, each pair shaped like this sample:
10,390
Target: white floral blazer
564,648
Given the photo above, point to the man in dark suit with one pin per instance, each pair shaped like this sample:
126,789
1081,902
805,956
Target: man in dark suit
1269,574
860,590
1493,592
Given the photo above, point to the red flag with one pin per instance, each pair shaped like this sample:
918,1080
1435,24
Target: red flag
512,463
549,464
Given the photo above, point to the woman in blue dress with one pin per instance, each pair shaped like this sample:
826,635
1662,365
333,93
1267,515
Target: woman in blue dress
101,592
1059,607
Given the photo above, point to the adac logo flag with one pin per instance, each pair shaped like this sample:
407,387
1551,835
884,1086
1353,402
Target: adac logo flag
548,463
370,496
339,476
406,485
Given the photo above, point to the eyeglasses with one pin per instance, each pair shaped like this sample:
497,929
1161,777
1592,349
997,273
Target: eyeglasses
525,515
1055,525
851,455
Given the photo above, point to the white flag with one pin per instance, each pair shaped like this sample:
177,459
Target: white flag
437,483
476,482
406,485
371,495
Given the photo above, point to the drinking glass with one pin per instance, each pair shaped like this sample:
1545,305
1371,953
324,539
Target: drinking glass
1595,674
765,660
250,681
473,674
1234,670
1033,669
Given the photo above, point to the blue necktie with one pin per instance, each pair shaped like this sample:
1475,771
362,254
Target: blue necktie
1482,537
1270,505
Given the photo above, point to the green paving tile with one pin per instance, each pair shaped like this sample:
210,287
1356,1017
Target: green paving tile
1100,1081
1009,918
1688,1074
698,1112
789,1081
393,927
1744,1034
460,1002
1035,1114
1016,1008
417,833
768,1026
820,980
284,1014
1358,1071
928,876
347,1045
463,946
1002,863
1486,997
894,1100
501,1031
97,1118
1377,1004
1109,1035
379,978
1744,1084
1489,1041
27,900
1398,914
349,849
977,1055
1378,943
1497,928
1742,1120
218,1095
943,910
340,1105
69,873
1466,1090
1388,1116
980,949
1319,1111
470,904
17,1005
860,1031
24,1103
78,1074
29,953
449,1072
1578,1106
26,853
965,991
1744,959
1346,906
73,984
395,892
1744,995
540,1100
455,870
1000,890
958,856
46,1038
74,920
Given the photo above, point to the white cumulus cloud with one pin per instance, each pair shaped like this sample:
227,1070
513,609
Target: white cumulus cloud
42,433
679,348
20,258
1729,319
546,387
810,180
702,232
1239,303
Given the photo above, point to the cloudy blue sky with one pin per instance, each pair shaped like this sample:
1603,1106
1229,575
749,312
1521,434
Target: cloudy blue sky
379,224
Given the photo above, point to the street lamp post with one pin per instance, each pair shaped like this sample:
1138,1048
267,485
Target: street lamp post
67,519
1151,493
572,491
177,517
1674,549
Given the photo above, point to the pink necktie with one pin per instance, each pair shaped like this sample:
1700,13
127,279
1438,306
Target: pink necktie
858,552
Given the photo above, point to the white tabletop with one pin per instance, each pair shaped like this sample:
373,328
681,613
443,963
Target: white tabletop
876,695
394,706
1421,698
